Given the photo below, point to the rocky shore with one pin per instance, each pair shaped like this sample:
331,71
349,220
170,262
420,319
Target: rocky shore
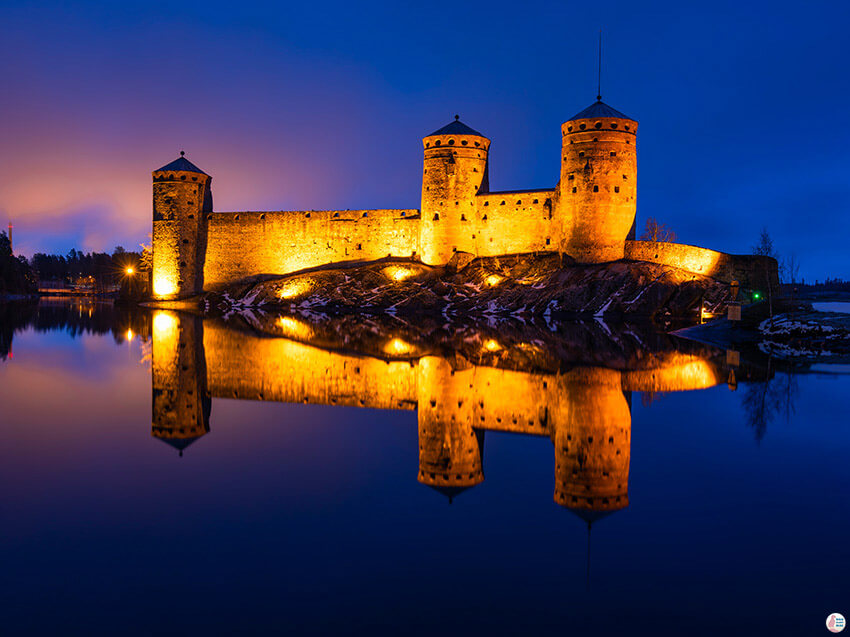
526,287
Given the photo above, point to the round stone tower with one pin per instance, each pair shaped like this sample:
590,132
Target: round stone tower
181,197
598,186
592,445
451,451
455,171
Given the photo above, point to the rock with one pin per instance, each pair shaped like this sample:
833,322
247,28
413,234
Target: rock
525,285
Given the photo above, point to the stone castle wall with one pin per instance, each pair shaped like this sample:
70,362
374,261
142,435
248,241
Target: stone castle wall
587,216
243,244
751,271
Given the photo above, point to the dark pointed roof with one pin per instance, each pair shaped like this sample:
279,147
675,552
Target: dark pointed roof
180,443
181,163
598,109
449,492
589,515
456,127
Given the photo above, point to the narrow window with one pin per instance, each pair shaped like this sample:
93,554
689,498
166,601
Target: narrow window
548,241
616,189
535,201
596,189
486,203
574,188
437,216
571,177
581,153
582,126
613,154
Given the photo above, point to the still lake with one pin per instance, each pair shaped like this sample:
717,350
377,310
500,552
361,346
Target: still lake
164,474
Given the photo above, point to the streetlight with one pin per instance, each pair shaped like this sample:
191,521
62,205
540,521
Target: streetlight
130,271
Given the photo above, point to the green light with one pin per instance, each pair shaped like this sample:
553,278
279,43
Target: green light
756,295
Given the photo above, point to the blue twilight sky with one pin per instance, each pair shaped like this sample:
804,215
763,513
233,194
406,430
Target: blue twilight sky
322,105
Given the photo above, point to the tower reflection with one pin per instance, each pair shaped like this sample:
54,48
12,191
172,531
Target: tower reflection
584,409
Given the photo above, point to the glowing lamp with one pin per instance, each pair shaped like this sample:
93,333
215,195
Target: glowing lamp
293,288
129,271
164,325
397,273
492,345
756,295
293,328
398,347
493,279
163,286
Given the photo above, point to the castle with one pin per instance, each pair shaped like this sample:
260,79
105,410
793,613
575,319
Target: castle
589,216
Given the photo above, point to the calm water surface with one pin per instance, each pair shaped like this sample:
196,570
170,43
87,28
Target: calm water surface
163,474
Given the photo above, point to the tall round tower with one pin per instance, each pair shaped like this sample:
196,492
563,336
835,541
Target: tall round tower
598,186
181,196
455,171
592,445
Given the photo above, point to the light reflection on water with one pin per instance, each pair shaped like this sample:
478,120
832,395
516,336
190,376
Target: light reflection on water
296,502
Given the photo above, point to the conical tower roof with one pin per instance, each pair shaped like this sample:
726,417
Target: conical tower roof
456,127
599,109
181,163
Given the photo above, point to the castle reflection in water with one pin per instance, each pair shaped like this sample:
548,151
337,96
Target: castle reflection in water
579,398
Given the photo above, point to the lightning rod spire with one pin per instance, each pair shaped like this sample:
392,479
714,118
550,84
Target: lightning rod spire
599,75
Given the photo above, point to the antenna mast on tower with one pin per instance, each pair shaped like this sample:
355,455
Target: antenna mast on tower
599,76
11,245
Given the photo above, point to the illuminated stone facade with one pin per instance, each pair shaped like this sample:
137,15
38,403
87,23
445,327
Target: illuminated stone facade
589,216
585,411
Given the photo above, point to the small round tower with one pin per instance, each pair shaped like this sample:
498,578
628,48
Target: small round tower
455,171
181,197
451,451
598,186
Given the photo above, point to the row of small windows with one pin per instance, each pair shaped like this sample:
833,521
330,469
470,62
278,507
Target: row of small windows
173,178
572,176
596,189
451,142
596,139
598,125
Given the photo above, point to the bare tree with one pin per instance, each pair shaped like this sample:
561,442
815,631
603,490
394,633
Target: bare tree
765,248
655,231
765,245
790,269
